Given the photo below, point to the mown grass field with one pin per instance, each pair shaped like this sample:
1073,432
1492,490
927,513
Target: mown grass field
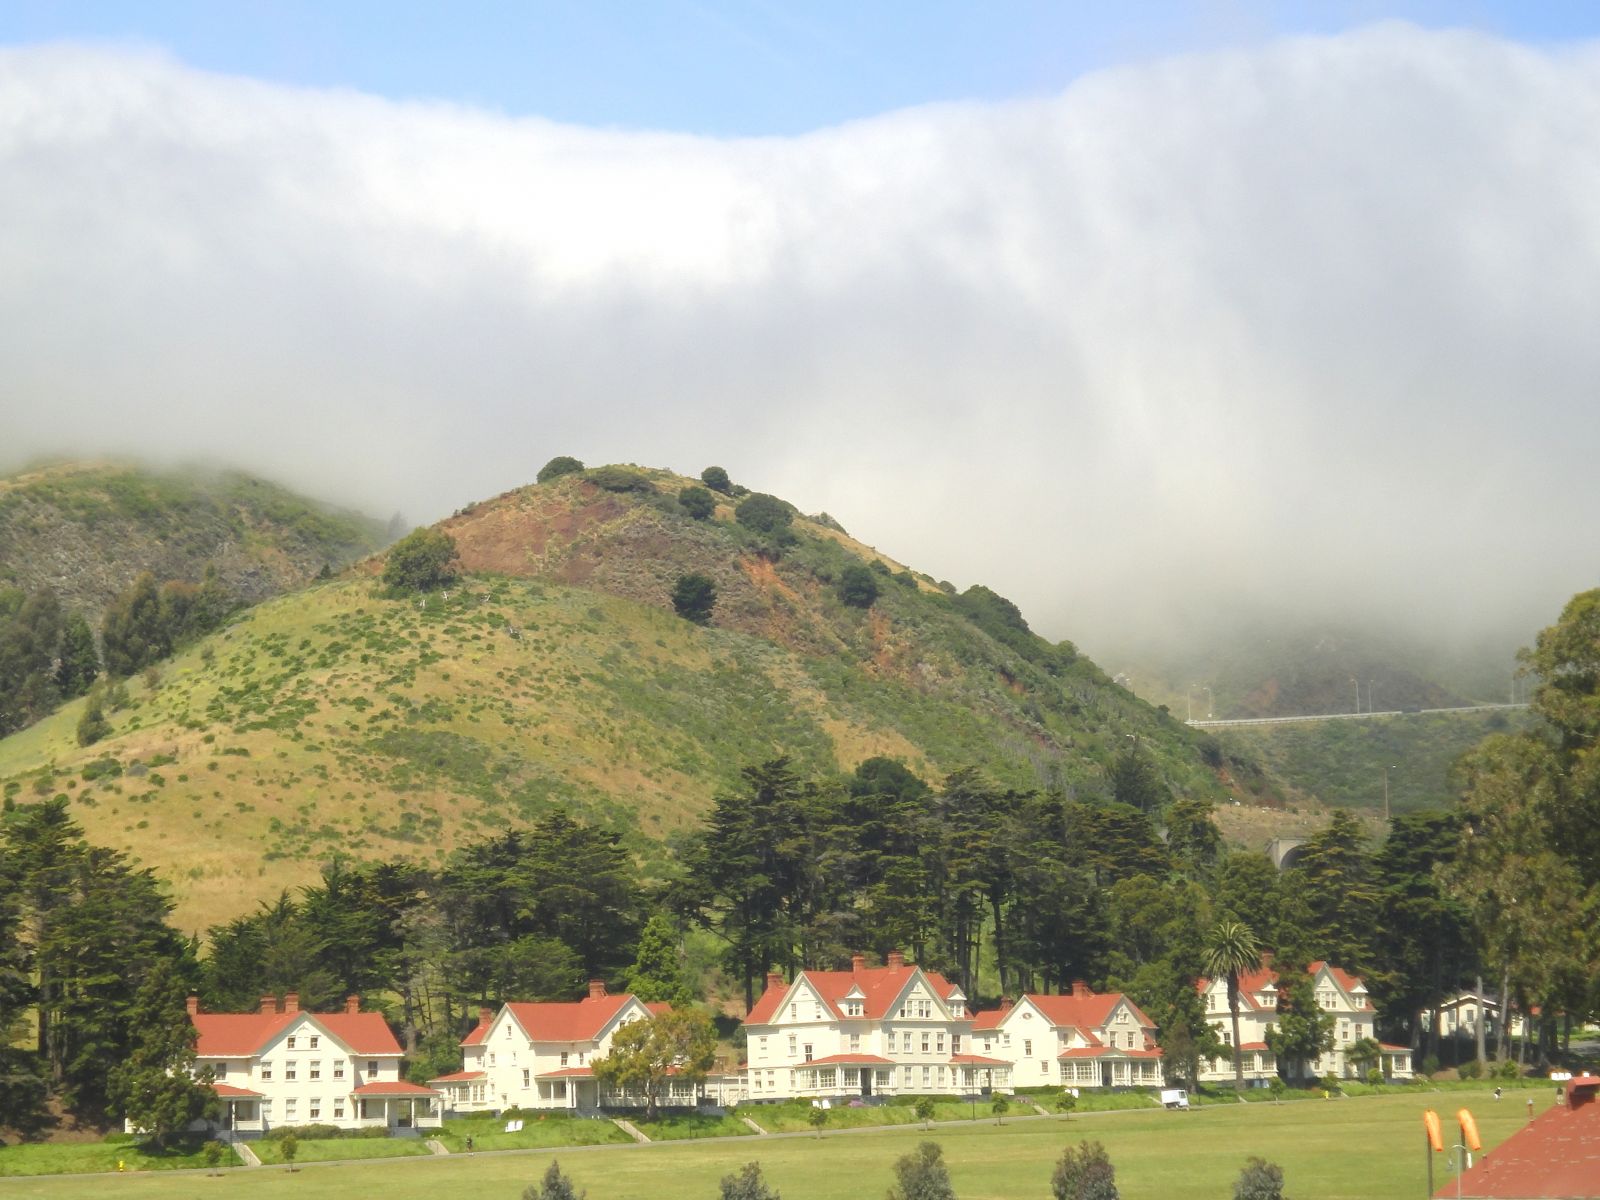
1363,1149
65,1158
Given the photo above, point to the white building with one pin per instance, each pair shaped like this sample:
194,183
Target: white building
1080,1039
280,1066
868,1031
542,1055
1337,992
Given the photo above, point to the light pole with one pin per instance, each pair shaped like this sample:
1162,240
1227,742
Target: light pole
1386,770
1372,705
1357,683
1211,705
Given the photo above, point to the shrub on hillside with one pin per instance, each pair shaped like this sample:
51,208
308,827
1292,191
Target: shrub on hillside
618,479
93,726
717,480
697,502
422,560
857,586
561,464
693,598
764,513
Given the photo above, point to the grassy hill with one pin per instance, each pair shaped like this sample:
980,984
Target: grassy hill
85,530
342,719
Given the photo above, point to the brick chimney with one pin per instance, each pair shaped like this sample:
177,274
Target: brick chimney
775,979
1005,1004
193,1004
895,959
269,1005
597,989
1266,960
291,1002
858,963
1080,988
352,1005
485,1015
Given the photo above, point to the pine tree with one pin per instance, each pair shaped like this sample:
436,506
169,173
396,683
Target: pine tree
154,1085
555,1185
80,663
746,1184
657,971
922,1175
1084,1172
92,724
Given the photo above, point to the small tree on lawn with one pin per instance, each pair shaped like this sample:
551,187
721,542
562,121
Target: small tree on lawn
561,464
924,1109
922,1175
999,1106
289,1147
697,502
1065,1103
693,598
818,1116
213,1152
747,1184
678,1043
555,1185
1275,1086
1084,1172
422,560
1260,1180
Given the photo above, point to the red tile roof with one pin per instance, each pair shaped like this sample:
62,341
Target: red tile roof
871,1060
242,1035
228,1092
579,1021
1110,1052
880,987
457,1077
977,1060
567,1073
1083,1010
396,1087
1251,982
1557,1154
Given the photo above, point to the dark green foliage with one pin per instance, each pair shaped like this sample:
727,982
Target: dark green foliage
31,634
1304,1030
1332,880
556,1184
697,502
153,1086
561,464
858,587
289,1147
1136,782
619,479
1193,839
422,560
134,632
1260,1180
1231,950
746,1184
717,480
922,1175
1084,1172
92,725
693,598
80,663
764,514
657,971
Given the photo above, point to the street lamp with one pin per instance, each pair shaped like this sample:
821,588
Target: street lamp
1357,683
1386,770
1211,705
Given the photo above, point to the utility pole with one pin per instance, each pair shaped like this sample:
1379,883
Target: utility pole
1357,682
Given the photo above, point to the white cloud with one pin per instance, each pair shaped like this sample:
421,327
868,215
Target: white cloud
1314,321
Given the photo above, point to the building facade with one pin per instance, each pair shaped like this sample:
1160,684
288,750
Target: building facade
1082,1038
280,1066
1337,992
542,1056
865,1032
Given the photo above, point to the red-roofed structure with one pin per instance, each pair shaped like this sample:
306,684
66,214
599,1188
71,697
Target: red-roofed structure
1556,1156
538,1055
1080,1038
871,1030
283,1065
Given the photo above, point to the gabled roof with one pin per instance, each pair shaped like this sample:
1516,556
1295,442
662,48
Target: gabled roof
243,1035
395,1087
880,988
579,1021
226,1091
1557,1154
1082,1009
1265,978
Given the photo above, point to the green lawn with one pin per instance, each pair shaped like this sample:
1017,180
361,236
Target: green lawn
338,1149
1365,1149
681,1127
71,1158
552,1130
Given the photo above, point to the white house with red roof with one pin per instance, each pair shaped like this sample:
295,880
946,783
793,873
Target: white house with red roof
542,1055
1337,991
282,1066
868,1031
1082,1038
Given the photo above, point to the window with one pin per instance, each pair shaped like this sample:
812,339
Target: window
1044,1066
266,1109
1027,1048
288,1070
338,1110
491,1058
266,1069
563,1058
905,1042
924,1043
288,1109
794,1012
315,1041
808,1051
927,1073
338,1068
524,1077
939,1042
761,1045
372,1069
219,1070
852,1077
291,1043
791,1045
827,1078
855,1043
955,1043
314,1108
316,1069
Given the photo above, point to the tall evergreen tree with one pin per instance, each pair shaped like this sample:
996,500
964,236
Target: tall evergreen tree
155,1085
80,662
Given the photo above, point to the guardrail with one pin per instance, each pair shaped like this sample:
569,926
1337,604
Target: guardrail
1392,712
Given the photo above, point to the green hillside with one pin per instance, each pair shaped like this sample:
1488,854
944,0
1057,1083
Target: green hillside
342,718
85,530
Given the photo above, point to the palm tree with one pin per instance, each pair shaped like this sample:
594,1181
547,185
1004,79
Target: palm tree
1230,948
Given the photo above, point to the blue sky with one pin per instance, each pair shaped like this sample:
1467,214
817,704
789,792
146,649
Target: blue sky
721,66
